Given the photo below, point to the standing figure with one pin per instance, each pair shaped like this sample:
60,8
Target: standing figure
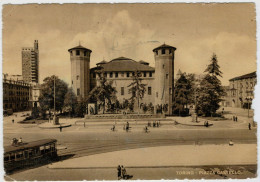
13,121
20,141
123,172
249,126
118,172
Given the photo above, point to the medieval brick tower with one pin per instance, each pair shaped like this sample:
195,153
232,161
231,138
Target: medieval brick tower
80,75
164,76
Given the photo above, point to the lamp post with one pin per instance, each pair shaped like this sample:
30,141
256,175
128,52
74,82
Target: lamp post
248,99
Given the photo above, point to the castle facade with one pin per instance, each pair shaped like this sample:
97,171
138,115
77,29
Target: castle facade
159,80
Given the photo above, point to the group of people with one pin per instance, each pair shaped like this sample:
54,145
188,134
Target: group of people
121,172
155,124
16,141
235,118
206,123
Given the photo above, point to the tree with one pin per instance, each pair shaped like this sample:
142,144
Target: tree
80,108
46,98
182,94
137,88
70,102
210,91
104,93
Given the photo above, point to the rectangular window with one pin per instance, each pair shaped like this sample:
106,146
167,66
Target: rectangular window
127,74
122,91
163,51
167,75
170,51
150,74
77,53
144,74
156,94
116,74
78,92
156,52
149,90
85,53
77,77
111,74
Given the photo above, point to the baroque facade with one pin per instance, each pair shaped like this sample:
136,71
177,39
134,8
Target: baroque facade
159,80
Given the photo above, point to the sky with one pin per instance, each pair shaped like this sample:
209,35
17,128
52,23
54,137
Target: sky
133,31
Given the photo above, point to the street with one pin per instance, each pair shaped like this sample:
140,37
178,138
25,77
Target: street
97,138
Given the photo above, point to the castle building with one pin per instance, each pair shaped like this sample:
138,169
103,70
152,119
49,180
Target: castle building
30,63
159,80
80,71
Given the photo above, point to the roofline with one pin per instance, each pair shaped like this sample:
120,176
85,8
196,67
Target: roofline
121,70
167,46
10,148
242,77
83,48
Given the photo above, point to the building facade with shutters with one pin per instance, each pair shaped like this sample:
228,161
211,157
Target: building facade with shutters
16,95
159,80
241,91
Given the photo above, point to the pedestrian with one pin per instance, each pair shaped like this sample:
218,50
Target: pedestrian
60,129
127,126
249,126
13,121
231,143
123,172
113,128
118,172
20,141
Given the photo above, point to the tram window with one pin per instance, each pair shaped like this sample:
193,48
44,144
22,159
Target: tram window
6,158
47,148
30,154
12,157
19,155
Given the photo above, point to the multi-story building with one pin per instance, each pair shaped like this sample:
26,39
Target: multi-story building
158,80
16,94
30,63
241,90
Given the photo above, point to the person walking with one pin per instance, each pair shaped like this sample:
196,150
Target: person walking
123,172
118,172
249,126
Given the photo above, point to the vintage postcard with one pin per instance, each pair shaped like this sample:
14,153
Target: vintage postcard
129,91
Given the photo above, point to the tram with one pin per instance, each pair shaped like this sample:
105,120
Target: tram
27,154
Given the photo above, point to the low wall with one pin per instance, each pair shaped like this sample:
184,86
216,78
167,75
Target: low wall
124,116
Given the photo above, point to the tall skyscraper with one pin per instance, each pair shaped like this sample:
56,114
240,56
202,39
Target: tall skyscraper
30,63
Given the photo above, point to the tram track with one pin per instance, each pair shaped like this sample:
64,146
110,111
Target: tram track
110,146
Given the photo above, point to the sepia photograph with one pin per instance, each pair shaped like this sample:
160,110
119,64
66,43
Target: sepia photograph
129,91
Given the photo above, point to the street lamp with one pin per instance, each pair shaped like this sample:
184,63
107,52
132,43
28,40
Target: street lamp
248,99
